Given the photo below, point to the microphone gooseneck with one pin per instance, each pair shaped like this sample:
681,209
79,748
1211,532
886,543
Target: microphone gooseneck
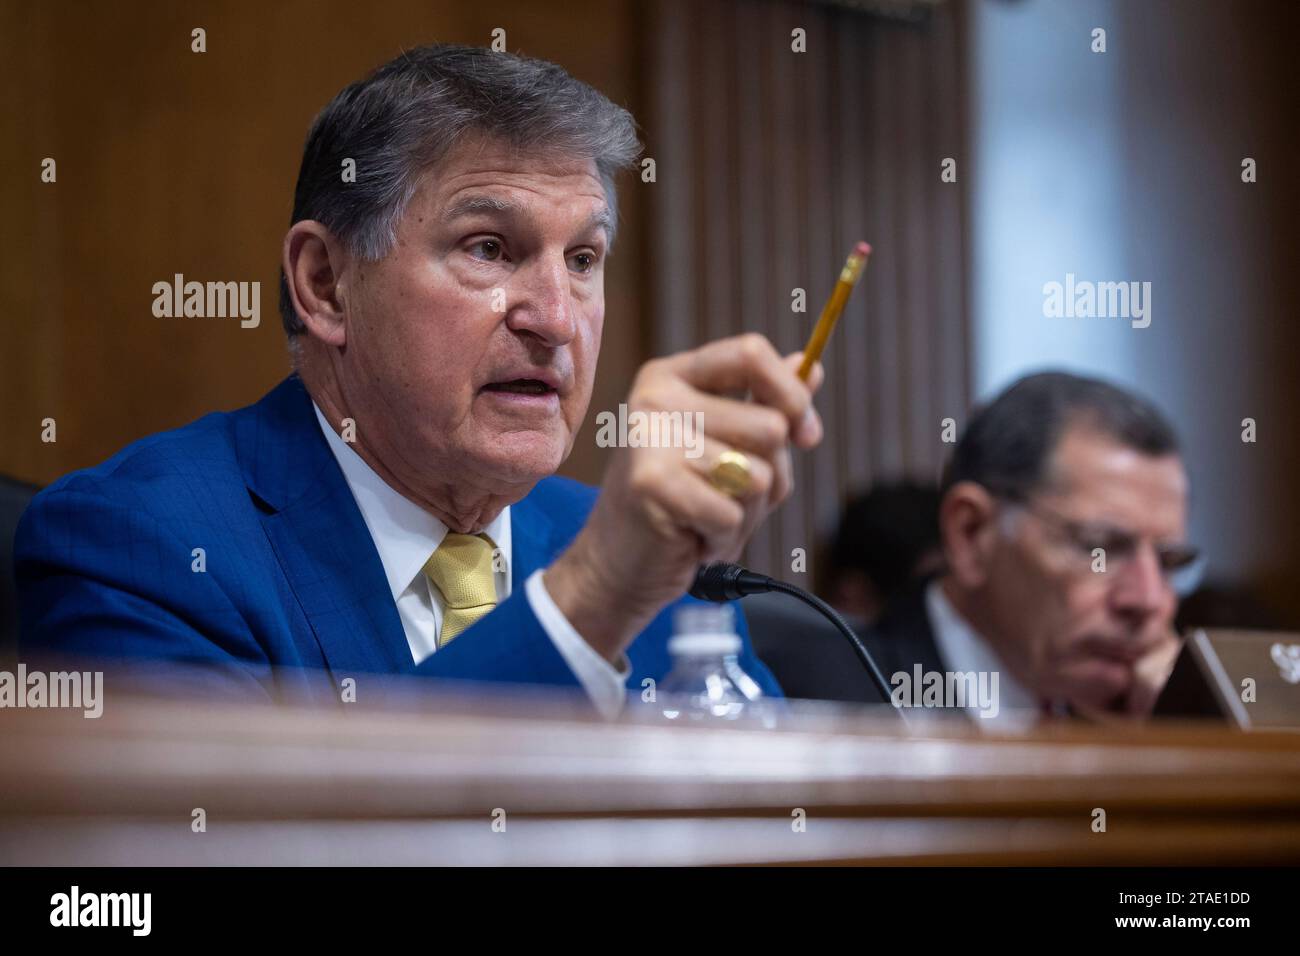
721,581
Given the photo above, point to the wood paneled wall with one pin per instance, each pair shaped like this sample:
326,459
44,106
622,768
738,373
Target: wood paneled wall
173,161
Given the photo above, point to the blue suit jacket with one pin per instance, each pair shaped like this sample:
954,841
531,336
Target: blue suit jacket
294,597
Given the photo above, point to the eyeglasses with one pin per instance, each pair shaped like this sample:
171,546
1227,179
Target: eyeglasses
1181,565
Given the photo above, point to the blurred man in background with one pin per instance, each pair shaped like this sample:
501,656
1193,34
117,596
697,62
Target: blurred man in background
887,539
1064,522
1063,526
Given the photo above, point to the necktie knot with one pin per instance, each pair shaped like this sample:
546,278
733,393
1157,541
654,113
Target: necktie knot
462,569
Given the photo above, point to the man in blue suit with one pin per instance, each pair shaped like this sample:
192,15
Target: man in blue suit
392,507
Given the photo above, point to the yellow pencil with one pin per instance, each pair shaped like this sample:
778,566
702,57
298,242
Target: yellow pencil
849,275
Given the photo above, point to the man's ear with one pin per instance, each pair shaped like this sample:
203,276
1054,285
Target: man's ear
968,526
313,261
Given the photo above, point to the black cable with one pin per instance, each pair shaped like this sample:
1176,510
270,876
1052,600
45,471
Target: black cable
722,581
842,625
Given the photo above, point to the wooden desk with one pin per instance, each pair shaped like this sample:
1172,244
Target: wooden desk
282,786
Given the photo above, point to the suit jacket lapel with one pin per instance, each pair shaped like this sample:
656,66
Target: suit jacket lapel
318,535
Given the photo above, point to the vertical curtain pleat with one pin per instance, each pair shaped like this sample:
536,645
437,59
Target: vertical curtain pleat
771,164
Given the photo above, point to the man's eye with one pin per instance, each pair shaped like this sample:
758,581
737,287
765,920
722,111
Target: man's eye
1112,544
488,250
583,261
1177,557
1117,545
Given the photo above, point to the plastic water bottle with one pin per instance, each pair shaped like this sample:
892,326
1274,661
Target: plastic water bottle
707,682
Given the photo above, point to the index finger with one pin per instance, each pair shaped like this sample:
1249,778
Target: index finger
817,375
746,362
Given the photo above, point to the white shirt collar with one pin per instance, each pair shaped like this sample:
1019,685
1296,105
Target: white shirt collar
962,649
405,535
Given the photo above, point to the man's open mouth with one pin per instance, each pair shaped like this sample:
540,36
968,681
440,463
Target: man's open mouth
521,386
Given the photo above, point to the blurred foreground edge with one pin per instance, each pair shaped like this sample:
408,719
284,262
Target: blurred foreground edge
476,779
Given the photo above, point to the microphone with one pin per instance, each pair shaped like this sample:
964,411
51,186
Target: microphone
721,582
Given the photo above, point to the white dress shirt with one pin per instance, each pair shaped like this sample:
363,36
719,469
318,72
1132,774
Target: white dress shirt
963,650
406,536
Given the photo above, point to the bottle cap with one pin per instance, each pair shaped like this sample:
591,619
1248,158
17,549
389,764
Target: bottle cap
704,645
701,628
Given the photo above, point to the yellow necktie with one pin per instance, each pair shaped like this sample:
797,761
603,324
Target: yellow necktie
461,569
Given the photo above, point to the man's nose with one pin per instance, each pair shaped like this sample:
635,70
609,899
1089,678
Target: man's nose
543,304
1142,588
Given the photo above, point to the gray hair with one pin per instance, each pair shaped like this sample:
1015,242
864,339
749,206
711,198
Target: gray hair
405,117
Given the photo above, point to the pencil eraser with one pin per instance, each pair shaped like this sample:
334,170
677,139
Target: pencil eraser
862,249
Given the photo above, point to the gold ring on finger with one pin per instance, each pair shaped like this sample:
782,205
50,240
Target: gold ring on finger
732,474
